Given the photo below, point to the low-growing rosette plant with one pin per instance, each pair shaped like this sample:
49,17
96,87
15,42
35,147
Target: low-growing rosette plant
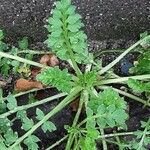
104,105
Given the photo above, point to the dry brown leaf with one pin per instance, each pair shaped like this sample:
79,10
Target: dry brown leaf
74,105
49,60
23,85
35,72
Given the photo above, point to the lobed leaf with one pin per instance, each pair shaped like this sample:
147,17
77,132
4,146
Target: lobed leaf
10,137
109,109
138,86
65,33
48,126
31,142
27,124
143,64
60,79
12,103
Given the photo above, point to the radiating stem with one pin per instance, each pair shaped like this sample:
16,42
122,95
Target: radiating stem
143,136
34,52
123,79
103,140
82,100
26,92
109,66
57,143
59,107
24,107
23,60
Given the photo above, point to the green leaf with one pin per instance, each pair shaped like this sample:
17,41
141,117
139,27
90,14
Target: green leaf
40,114
23,44
146,43
56,13
71,10
101,121
5,124
3,146
48,126
10,137
72,19
93,133
138,86
65,34
143,64
5,66
60,79
91,123
143,124
56,23
63,5
27,124
56,33
12,103
87,79
120,116
21,114
87,143
109,109
75,27
108,97
101,109
31,142
1,35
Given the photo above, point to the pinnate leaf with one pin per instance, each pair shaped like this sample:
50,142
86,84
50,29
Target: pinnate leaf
65,33
27,124
10,137
60,79
143,64
138,86
31,142
39,114
48,126
109,108
12,103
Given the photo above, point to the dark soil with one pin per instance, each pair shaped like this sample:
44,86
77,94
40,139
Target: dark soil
104,19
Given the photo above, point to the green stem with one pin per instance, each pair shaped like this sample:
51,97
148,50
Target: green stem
119,142
19,108
57,143
70,139
143,137
106,68
127,95
103,140
118,134
101,130
123,79
101,52
34,52
23,60
26,92
59,107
